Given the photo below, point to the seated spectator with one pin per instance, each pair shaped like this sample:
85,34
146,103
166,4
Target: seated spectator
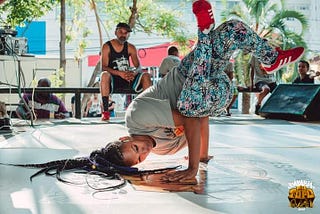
303,69
170,61
73,106
42,104
117,72
262,81
94,107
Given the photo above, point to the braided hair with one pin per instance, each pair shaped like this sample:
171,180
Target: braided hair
106,162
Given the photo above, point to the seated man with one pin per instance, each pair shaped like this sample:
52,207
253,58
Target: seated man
42,104
170,61
117,73
262,81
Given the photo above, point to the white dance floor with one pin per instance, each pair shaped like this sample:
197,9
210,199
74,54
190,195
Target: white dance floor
255,160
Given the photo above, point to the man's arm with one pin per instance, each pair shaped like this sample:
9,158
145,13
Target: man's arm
21,110
22,113
57,101
88,108
163,69
62,111
134,55
113,104
105,52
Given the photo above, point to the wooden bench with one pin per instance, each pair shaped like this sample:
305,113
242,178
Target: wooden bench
247,90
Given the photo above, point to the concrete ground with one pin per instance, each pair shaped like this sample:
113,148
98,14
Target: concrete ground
255,162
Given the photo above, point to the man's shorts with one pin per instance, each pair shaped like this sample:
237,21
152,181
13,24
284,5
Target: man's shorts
120,85
259,85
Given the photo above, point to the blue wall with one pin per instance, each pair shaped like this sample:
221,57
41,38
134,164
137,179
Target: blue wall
35,32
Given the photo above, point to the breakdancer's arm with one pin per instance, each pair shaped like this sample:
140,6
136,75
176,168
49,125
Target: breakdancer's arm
192,128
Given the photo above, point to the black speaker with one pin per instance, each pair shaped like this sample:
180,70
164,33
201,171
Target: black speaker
293,102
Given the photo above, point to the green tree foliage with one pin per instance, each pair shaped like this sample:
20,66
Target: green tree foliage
17,12
147,16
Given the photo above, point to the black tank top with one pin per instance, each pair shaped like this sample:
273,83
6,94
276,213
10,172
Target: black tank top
119,60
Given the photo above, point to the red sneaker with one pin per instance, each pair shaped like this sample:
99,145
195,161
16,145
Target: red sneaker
105,116
284,58
203,11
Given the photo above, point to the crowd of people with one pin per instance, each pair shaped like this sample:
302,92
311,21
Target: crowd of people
45,105
42,105
121,71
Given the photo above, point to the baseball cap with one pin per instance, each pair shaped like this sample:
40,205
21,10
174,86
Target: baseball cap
124,25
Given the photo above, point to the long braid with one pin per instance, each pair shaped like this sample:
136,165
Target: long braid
95,164
58,166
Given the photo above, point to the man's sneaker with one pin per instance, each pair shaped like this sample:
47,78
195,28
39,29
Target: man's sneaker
284,58
203,11
105,116
256,111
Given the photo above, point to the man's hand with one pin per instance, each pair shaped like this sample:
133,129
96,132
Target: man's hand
23,113
60,116
127,75
26,115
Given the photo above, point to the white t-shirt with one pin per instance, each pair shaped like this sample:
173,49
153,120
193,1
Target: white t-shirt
168,63
95,107
150,114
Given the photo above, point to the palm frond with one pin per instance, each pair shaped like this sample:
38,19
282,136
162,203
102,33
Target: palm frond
286,15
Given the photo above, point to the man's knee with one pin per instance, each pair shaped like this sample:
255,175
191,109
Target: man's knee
105,77
146,78
265,89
